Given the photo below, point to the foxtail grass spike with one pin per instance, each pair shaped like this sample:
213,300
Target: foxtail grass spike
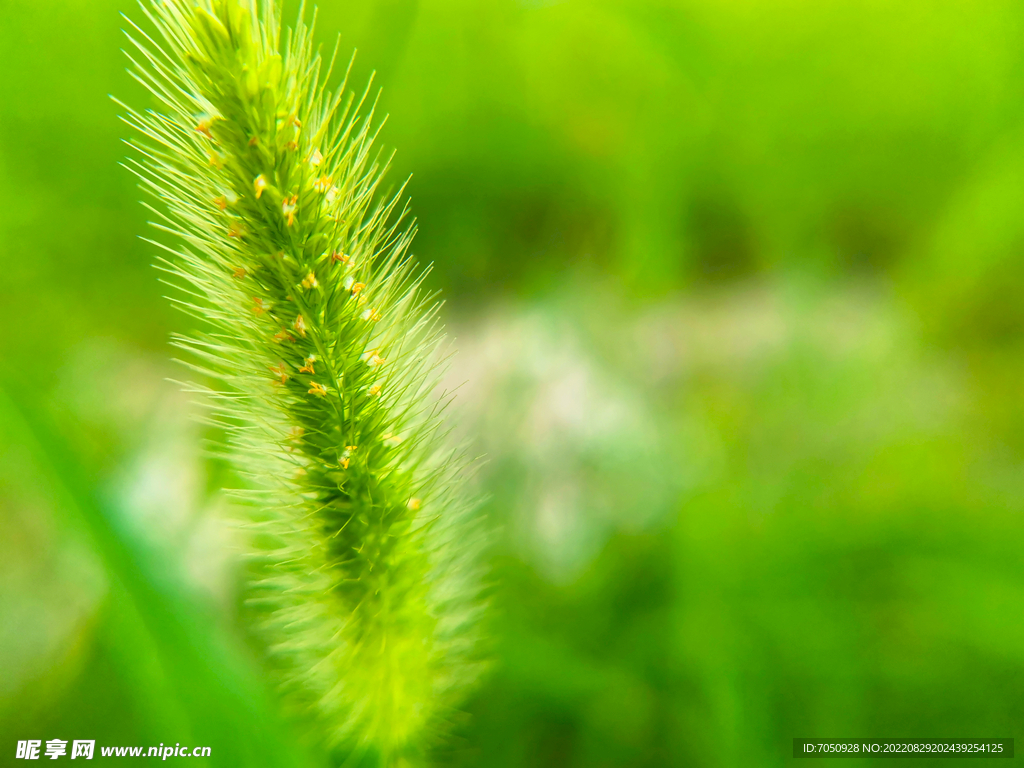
323,352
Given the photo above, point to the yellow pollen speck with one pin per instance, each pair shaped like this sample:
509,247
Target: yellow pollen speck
235,230
239,273
222,202
279,372
215,160
295,121
357,287
310,281
288,208
292,146
317,389
283,335
322,184
414,504
204,128
257,305
371,315
372,359
343,461
316,158
300,325
259,185
374,390
308,367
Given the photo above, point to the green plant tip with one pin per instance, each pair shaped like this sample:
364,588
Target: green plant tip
323,352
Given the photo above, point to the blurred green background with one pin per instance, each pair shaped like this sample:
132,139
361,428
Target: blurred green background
737,288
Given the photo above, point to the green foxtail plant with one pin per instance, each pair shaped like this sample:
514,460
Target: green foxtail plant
323,352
